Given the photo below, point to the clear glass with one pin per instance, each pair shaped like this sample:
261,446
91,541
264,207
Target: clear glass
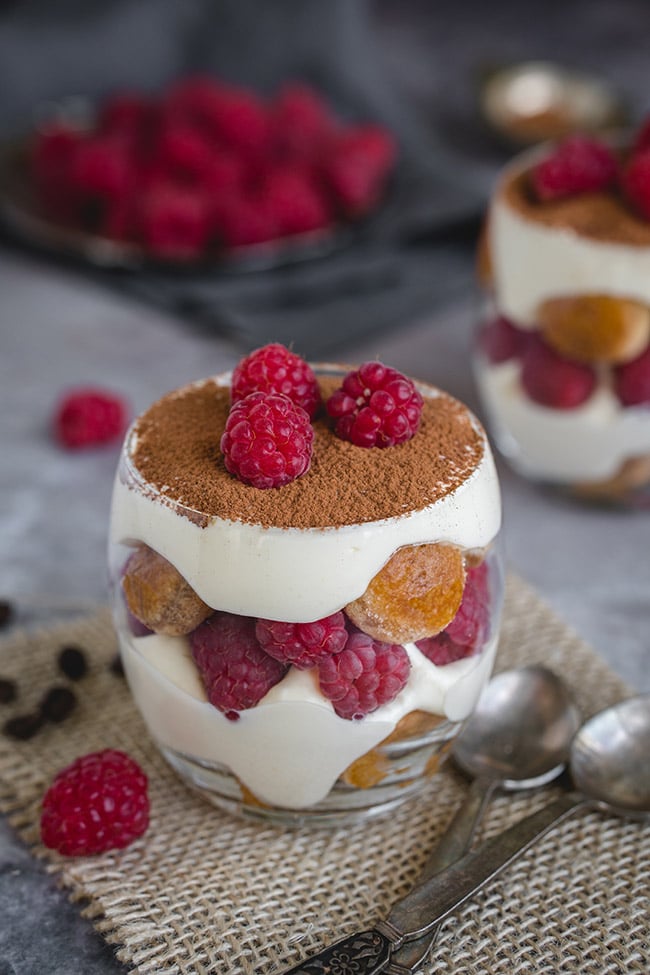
190,732
597,451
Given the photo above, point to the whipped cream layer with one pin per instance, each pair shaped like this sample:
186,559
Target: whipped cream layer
271,747
534,260
301,574
588,443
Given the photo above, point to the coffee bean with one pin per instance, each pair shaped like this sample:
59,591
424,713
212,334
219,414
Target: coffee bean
58,704
72,662
6,612
23,726
8,691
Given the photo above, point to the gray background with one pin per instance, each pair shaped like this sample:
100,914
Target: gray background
60,327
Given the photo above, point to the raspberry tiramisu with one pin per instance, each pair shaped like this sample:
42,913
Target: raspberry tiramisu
307,582
564,357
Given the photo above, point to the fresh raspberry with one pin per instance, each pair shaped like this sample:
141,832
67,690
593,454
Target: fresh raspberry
183,152
267,440
579,165
241,120
96,804
303,644
357,168
88,417
125,113
635,182
632,381
240,221
376,407
300,121
295,201
51,158
275,369
173,221
363,676
102,170
223,173
500,340
235,670
550,379
469,628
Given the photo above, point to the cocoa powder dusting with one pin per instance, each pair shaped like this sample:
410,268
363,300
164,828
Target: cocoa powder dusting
601,216
177,452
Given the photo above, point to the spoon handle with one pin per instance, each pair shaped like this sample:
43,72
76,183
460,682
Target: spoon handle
453,844
432,901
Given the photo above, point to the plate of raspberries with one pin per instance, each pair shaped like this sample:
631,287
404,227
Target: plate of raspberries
202,173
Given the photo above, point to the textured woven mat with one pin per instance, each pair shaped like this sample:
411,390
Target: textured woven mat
203,892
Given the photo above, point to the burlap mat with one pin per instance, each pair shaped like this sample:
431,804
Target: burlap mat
203,892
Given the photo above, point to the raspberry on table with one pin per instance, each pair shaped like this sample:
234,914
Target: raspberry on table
363,676
173,221
295,201
183,152
580,164
302,644
376,406
357,167
97,803
635,182
267,441
275,369
501,340
89,417
239,119
240,221
102,169
300,121
632,381
469,628
235,670
552,380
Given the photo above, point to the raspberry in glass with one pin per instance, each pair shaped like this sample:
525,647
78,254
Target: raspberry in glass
376,407
469,628
267,441
235,670
501,341
303,644
551,380
635,182
580,164
97,803
275,369
632,381
363,676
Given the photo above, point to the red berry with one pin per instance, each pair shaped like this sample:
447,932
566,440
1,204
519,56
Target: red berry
240,221
173,221
274,369
303,644
469,628
300,121
236,672
357,167
580,164
642,140
376,407
126,113
500,340
102,169
552,380
51,160
363,676
96,804
294,200
632,381
183,152
235,117
88,417
267,441
223,173
635,182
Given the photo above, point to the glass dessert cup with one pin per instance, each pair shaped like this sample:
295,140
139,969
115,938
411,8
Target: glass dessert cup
562,353
291,759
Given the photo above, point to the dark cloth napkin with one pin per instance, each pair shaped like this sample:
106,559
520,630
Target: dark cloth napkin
397,267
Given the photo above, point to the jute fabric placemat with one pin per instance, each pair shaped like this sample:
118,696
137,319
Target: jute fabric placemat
203,892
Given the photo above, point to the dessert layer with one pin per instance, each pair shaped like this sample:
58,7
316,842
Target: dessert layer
588,244
271,747
588,443
258,557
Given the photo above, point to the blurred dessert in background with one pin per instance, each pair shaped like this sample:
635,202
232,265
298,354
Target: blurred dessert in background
307,586
563,355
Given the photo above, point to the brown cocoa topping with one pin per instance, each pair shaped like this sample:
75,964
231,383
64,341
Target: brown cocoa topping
177,452
601,216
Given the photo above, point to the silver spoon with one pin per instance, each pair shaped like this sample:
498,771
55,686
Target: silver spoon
518,737
610,767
